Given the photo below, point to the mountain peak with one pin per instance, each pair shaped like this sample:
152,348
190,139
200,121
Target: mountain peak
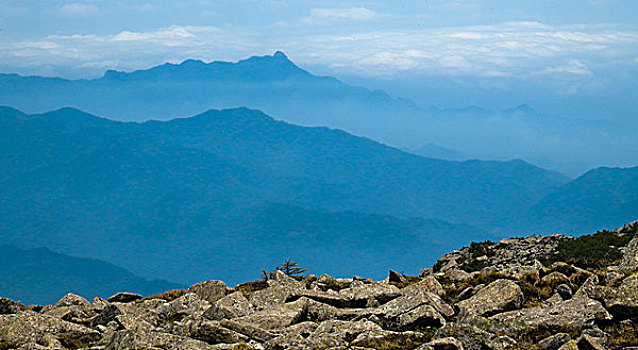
277,58
256,68
192,62
280,55
275,67
523,109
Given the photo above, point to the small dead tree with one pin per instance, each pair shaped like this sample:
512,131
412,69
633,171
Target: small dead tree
291,268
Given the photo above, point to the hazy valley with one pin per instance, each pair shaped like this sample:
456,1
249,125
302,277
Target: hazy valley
228,193
275,85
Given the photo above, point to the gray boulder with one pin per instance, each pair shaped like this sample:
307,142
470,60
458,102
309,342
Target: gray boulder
8,306
472,337
448,343
389,340
630,254
231,306
189,304
555,341
211,332
498,296
124,298
211,291
359,296
135,339
622,302
502,342
277,317
27,327
576,313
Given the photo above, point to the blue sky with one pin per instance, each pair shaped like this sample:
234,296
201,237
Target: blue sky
527,39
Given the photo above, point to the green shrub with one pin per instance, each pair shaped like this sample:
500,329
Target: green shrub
474,265
592,251
481,248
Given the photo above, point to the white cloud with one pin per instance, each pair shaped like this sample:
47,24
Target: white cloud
42,45
78,9
520,49
389,59
326,15
573,67
467,35
454,61
170,33
74,37
513,48
102,64
126,50
172,36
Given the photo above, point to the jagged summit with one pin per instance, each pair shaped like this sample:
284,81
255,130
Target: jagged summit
280,55
256,68
539,292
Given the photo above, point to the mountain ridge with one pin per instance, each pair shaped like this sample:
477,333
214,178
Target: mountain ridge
260,68
188,184
22,277
279,87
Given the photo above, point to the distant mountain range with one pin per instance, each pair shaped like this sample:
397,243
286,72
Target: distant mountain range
603,195
40,276
273,84
432,150
277,86
180,199
227,193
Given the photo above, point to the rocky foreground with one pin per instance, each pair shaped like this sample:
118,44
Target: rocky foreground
553,292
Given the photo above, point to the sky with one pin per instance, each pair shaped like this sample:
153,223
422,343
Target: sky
579,46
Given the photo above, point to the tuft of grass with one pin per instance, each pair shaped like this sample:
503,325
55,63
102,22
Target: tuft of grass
452,290
535,294
168,296
249,288
409,280
622,335
536,334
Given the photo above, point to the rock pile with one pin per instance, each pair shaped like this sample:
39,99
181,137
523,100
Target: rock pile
514,294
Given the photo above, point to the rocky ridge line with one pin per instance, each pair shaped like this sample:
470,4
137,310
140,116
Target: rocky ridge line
550,293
